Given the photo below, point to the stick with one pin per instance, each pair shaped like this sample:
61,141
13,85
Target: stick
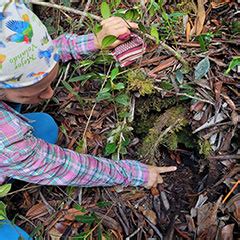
169,49
67,9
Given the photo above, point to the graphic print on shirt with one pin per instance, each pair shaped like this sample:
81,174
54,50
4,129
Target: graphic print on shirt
23,30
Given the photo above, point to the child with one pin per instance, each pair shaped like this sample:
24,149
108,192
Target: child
28,59
28,66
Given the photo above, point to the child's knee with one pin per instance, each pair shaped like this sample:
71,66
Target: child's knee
44,126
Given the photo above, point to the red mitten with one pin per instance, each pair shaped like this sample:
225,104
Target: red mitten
129,51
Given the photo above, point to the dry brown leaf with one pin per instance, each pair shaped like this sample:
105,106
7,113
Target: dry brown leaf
38,210
218,90
132,197
227,232
163,65
154,191
200,19
233,206
197,107
150,215
109,222
219,3
117,234
72,213
188,31
207,220
54,234
229,101
234,117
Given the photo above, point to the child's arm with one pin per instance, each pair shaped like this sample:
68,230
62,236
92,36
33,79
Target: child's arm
24,157
73,46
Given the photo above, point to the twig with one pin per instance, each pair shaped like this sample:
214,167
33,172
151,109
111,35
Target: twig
25,188
224,157
169,49
49,207
134,233
68,9
85,11
231,191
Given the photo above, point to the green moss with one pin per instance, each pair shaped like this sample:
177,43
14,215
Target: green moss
236,27
205,147
137,81
154,103
147,112
165,131
144,123
186,6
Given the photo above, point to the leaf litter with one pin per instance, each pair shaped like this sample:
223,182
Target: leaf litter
204,143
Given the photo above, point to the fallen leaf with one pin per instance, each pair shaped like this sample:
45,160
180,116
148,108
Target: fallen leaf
39,210
72,213
150,215
154,191
202,68
165,200
200,19
218,90
227,232
233,206
188,31
218,4
54,234
163,65
197,107
207,220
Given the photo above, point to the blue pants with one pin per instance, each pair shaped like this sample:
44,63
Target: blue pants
44,127
9,231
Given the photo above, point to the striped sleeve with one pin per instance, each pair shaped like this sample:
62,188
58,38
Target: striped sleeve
24,157
73,46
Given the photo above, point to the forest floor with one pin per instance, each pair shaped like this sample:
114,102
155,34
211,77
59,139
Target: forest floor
168,110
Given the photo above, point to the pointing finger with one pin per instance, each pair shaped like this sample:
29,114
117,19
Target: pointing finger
160,179
166,169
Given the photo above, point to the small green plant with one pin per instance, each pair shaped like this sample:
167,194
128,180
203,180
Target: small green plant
234,63
205,40
118,140
4,189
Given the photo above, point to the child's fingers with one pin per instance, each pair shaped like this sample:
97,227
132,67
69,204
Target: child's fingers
166,169
120,31
160,179
132,24
113,21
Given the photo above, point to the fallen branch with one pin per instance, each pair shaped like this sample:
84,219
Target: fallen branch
67,9
169,49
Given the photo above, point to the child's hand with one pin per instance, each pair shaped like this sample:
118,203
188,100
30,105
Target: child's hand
154,175
115,26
